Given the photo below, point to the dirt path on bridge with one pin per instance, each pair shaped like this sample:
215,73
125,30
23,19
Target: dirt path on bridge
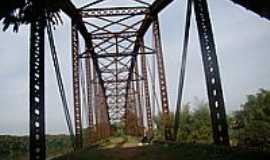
124,153
125,149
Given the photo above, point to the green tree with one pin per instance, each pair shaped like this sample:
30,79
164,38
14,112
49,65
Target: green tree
195,126
254,119
185,127
201,123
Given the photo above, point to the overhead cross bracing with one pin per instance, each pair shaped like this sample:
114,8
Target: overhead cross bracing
115,32
110,76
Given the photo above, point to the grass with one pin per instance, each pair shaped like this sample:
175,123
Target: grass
163,152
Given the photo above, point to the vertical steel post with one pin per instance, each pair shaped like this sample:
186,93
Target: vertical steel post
89,92
162,79
139,101
37,90
94,104
76,88
146,90
211,69
103,124
134,105
131,120
105,121
97,106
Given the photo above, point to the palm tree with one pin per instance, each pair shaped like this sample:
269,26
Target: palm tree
17,12
37,13
8,13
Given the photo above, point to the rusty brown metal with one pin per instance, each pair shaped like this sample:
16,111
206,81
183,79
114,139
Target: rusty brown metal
116,46
76,87
139,98
114,40
113,46
132,127
89,91
116,11
162,79
113,52
103,123
146,91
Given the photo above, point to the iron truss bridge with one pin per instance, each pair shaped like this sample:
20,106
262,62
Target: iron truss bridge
111,75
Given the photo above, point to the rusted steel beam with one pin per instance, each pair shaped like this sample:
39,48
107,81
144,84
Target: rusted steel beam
116,11
89,92
103,121
76,87
126,34
97,109
155,8
211,69
102,14
131,114
69,8
123,54
162,79
114,95
139,98
122,80
146,93
76,17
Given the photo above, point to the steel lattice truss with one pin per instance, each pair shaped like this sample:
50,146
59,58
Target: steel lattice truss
115,68
114,33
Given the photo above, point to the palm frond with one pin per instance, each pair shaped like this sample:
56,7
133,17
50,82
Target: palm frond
17,12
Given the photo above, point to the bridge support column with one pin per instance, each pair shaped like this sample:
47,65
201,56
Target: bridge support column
89,92
37,91
76,88
146,91
102,120
131,118
211,69
89,98
139,101
162,80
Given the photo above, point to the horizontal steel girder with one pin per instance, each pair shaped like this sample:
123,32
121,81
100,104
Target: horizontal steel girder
117,11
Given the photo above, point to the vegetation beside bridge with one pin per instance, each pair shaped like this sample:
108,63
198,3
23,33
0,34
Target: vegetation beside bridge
249,130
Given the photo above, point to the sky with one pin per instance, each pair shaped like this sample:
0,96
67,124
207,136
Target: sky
242,41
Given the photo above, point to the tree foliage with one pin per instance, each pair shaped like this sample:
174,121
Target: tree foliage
15,147
195,126
252,122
